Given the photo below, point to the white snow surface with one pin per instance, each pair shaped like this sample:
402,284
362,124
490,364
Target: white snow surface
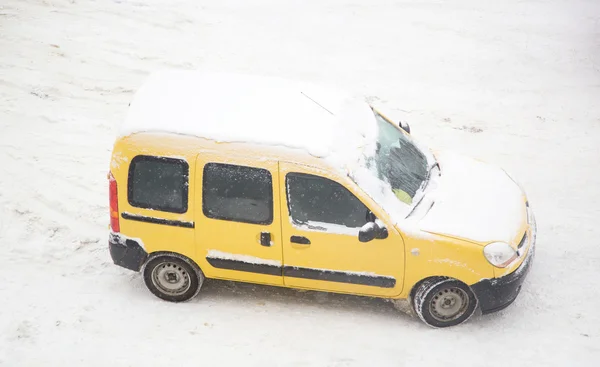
250,108
474,200
514,82
216,254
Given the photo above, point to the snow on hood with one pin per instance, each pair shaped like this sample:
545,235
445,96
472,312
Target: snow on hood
474,201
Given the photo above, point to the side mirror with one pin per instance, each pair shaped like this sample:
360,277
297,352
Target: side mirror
404,126
371,231
367,232
382,232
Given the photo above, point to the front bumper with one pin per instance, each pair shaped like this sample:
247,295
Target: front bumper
126,252
498,293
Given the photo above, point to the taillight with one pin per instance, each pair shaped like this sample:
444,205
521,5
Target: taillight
114,203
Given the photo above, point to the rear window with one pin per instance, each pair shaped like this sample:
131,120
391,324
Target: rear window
158,183
237,193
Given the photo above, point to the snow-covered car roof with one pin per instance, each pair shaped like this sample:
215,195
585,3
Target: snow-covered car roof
248,108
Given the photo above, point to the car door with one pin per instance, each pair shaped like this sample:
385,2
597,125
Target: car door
238,230
321,249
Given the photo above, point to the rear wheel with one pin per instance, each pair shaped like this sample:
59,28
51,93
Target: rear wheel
172,278
443,302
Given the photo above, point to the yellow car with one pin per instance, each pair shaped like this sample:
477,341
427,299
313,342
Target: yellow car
277,182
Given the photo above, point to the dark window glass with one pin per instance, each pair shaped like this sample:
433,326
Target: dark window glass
317,199
158,183
237,193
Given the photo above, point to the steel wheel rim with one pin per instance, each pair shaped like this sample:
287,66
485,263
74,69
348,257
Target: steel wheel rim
449,304
170,278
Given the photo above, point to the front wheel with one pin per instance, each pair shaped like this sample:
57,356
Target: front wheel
172,278
443,302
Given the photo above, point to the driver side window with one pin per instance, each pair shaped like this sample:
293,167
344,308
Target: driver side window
313,199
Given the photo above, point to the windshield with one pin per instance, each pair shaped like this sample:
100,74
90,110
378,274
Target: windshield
398,161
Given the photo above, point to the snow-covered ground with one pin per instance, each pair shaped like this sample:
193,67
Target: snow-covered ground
513,82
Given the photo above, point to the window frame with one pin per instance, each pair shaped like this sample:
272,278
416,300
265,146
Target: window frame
271,201
151,158
310,175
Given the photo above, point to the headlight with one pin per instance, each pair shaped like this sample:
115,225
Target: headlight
499,254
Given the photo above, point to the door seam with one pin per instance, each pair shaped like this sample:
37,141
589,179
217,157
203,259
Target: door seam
281,218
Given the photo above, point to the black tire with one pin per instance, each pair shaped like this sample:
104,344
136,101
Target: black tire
172,277
444,302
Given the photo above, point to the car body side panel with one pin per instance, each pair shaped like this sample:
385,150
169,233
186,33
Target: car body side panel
431,255
420,255
178,235
340,262
228,249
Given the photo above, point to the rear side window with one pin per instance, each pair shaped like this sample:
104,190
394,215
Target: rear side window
317,199
158,183
237,193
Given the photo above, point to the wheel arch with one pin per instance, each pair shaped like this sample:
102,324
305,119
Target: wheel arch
435,277
155,254
416,286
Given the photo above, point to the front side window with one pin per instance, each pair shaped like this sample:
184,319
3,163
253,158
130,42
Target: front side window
237,193
158,183
313,199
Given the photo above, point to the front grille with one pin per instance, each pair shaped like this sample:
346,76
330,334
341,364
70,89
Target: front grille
523,242
522,245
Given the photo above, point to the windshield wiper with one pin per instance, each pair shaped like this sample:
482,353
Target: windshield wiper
435,164
424,186
428,177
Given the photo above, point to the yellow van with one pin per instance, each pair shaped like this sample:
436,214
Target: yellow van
284,183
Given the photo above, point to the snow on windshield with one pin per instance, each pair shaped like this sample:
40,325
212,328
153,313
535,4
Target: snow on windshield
394,171
398,161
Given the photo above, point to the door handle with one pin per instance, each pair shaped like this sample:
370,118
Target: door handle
300,240
265,239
